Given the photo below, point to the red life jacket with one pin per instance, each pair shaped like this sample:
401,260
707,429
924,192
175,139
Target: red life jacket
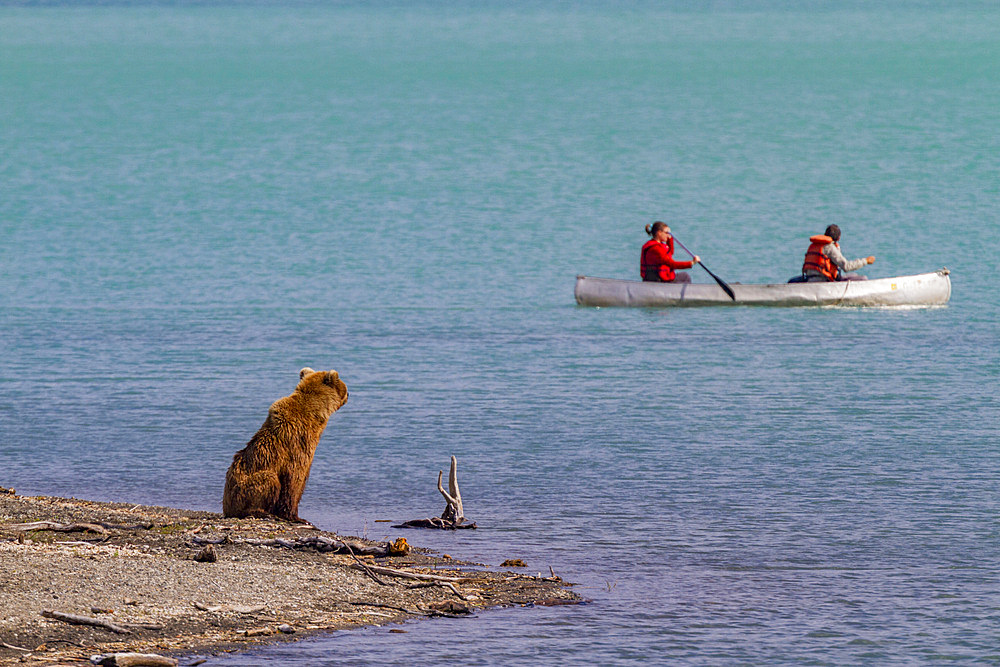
817,261
651,267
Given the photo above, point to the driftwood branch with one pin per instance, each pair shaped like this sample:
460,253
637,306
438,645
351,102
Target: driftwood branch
99,527
453,516
434,522
120,628
85,620
136,660
318,542
145,525
56,527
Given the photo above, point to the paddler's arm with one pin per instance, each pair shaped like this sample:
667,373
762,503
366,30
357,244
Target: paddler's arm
845,265
680,263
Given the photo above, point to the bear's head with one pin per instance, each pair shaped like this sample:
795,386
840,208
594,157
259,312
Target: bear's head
322,388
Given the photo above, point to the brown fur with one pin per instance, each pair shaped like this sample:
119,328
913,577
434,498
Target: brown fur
268,476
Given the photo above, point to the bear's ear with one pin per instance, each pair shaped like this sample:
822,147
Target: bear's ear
331,378
305,371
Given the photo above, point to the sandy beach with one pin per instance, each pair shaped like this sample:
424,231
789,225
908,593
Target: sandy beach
83,578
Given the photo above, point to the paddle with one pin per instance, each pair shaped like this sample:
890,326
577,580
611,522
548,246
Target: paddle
722,283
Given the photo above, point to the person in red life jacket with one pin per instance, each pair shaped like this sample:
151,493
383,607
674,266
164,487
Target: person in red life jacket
657,263
825,263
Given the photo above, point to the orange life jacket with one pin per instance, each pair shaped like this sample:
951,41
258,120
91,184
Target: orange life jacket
817,261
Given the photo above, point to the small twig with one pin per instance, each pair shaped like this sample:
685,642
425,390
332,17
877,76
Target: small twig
443,584
62,641
144,626
365,567
453,590
416,612
15,648
145,525
415,575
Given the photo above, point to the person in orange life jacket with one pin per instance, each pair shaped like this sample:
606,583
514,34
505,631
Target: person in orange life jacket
657,263
825,263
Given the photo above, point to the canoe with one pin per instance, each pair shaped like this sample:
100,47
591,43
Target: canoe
925,289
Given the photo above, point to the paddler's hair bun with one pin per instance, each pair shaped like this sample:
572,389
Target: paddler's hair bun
655,227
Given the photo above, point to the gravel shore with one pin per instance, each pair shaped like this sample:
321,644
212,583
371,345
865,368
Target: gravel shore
132,569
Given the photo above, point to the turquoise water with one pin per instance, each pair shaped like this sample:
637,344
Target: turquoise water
198,200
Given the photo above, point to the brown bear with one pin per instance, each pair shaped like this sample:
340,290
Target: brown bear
267,476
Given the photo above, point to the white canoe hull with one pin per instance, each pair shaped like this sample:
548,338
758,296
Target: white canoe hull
925,289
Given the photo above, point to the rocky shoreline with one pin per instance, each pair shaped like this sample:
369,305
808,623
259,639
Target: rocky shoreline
158,580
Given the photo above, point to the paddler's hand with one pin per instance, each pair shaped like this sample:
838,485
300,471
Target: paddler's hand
696,259
870,259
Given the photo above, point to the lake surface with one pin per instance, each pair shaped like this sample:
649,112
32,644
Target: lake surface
199,199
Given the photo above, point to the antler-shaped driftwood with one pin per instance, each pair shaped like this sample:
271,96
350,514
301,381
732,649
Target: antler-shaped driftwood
453,512
453,515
